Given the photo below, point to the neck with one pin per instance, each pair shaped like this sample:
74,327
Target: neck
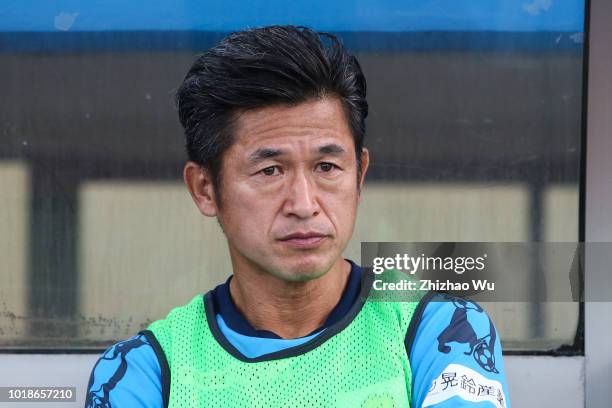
289,309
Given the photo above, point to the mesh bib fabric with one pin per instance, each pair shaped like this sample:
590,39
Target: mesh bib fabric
362,365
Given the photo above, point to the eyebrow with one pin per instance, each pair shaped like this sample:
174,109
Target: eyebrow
332,148
269,153
265,153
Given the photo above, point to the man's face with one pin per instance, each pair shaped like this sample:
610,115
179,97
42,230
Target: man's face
289,189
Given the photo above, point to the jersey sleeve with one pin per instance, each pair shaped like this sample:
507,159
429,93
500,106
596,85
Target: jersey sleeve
127,375
456,357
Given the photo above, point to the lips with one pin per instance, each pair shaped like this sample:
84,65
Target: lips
304,239
302,235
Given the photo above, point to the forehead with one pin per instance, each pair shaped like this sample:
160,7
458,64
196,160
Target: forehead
317,120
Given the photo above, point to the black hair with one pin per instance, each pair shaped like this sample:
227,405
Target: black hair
259,67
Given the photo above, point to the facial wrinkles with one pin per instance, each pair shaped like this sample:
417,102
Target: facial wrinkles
300,175
298,170
296,133
310,116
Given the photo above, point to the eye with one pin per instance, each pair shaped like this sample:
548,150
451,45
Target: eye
327,167
269,171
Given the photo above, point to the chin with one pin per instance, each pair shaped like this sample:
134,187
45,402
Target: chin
303,269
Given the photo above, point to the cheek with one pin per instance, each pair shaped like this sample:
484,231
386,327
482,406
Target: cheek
245,212
342,208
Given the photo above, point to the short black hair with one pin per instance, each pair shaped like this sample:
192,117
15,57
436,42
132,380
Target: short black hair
260,67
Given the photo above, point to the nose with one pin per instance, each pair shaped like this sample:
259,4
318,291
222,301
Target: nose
302,198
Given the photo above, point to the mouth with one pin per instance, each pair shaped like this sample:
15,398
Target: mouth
304,240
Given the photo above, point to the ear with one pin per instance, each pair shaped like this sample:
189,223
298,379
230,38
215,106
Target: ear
365,162
200,186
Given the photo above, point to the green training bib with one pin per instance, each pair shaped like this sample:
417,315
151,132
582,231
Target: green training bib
360,361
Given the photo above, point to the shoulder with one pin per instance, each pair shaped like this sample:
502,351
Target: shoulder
451,319
453,340
181,314
127,374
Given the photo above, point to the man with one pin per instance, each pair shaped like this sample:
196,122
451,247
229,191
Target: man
275,121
